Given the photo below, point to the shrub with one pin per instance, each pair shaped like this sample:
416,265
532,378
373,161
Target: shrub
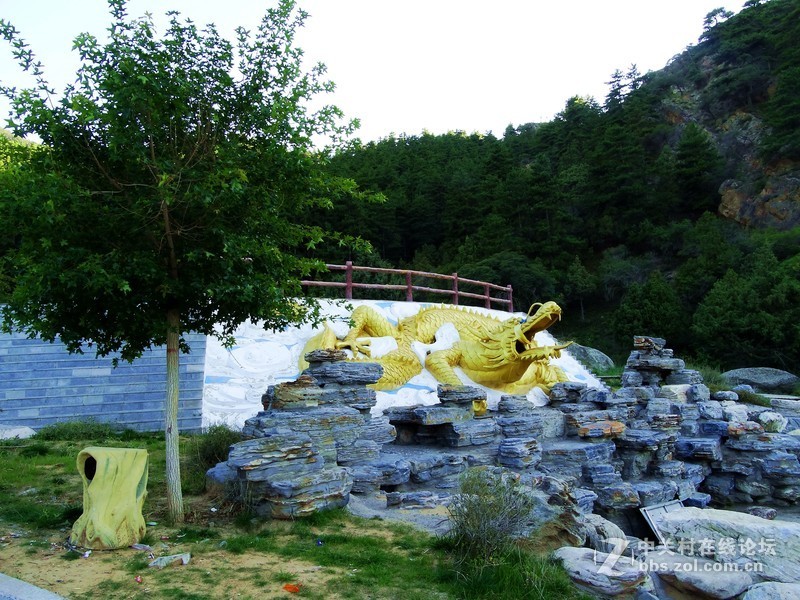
491,510
214,444
203,451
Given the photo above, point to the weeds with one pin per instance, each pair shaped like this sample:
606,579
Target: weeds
203,451
712,377
753,398
489,513
77,430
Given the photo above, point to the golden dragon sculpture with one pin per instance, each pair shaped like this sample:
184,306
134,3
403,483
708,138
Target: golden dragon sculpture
499,354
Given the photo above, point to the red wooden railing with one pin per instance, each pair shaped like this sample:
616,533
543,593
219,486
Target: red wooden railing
454,292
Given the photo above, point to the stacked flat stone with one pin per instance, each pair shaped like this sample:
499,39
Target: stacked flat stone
311,436
662,435
518,417
734,452
284,476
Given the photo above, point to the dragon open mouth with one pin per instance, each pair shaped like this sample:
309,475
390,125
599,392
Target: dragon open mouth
545,315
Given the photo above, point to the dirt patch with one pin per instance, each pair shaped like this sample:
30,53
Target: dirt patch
211,573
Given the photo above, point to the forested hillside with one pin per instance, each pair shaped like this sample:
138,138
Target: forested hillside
672,208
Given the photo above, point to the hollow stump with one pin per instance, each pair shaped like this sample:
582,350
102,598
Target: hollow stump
114,489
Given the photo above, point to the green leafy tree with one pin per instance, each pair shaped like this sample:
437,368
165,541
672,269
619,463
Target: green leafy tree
652,308
749,318
579,283
697,170
783,116
714,18
174,172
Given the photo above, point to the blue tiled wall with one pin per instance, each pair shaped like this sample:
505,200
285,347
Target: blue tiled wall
41,383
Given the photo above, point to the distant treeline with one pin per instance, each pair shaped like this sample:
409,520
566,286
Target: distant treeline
612,209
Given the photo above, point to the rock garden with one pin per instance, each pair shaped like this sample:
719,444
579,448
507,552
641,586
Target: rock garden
591,459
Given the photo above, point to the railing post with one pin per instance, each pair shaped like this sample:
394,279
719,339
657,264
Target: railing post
510,298
409,288
455,289
487,303
348,280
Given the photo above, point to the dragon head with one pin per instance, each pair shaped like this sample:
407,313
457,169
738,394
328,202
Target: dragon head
520,344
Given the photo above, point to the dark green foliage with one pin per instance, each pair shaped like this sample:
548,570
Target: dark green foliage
783,115
582,209
652,308
697,170
750,316
203,451
213,444
519,575
612,210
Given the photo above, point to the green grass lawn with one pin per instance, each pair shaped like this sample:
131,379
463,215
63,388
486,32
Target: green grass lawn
328,555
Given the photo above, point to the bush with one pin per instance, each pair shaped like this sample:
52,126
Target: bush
490,512
204,451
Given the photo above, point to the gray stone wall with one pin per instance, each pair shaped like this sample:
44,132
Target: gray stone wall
41,383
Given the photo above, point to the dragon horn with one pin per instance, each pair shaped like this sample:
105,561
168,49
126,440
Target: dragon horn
534,305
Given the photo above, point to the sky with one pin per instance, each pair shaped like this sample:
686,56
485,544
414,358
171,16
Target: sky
409,66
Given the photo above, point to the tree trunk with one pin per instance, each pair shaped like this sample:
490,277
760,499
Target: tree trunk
174,495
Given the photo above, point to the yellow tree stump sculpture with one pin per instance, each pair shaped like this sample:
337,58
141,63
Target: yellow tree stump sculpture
114,489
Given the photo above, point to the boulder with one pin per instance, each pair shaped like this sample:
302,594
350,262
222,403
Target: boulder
591,358
772,590
519,453
770,548
597,574
379,430
433,465
220,480
328,427
345,373
422,499
602,534
773,422
698,575
469,433
712,409
685,376
763,512
438,414
9,432
763,379
301,496
698,449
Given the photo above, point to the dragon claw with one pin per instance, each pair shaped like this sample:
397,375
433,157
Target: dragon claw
355,347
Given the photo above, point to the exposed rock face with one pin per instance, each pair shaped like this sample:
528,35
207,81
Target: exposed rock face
591,358
772,591
697,575
763,379
313,443
742,539
776,205
590,572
